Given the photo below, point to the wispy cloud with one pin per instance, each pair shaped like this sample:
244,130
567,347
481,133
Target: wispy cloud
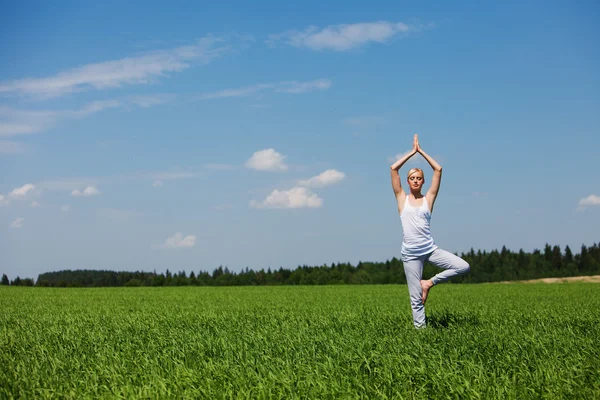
21,122
140,69
3,200
293,87
65,208
267,160
326,178
303,87
297,197
17,223
94,107
10,147
68,183
343,37
237,92
151,100
76,183
14,122
589,201
179,241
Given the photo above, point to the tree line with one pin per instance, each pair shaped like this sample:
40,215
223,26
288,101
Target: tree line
493,266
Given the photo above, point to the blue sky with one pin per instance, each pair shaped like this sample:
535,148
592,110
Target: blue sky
147,136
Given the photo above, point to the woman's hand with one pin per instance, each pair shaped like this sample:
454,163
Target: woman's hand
416,146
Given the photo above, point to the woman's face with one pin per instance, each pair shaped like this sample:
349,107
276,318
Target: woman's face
415,181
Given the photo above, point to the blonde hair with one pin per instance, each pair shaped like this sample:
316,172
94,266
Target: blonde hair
413,170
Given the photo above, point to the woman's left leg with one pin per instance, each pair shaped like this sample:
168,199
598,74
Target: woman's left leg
452,265
413,269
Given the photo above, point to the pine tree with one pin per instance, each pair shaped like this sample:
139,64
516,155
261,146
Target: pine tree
568,255
556,258
548,252
583,258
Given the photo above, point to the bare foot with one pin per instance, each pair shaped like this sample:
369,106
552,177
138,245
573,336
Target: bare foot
426,285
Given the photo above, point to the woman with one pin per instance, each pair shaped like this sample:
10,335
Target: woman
418,245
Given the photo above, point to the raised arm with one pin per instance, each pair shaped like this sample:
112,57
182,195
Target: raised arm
396,182
435,181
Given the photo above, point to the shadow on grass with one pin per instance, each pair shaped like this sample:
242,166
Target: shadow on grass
448,319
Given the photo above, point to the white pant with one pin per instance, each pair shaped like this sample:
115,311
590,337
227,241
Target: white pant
413,269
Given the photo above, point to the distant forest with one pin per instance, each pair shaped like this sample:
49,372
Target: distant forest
494,266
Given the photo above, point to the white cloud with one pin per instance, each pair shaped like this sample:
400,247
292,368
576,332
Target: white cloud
3,200
140,69
591,200
65,208
88,191
157,183
179,241
9,147
293,87
267,160
35,204
20,193
297,197
325,178
17,223
343,37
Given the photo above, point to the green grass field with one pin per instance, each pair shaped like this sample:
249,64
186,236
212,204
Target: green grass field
514,341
